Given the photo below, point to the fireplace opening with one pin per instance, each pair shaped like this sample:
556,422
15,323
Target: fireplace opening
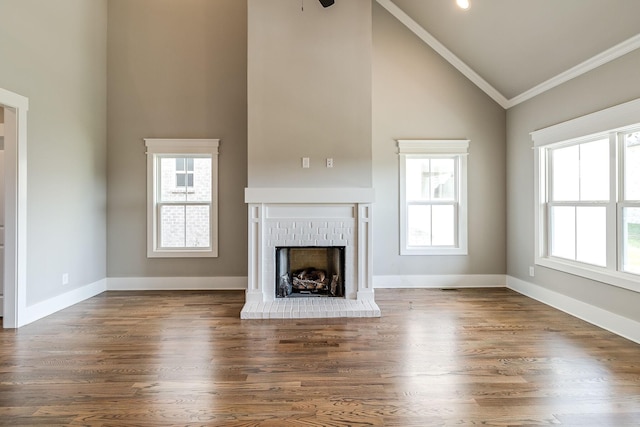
310,271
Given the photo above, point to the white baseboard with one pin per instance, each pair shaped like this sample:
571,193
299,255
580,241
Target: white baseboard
612,322
240,282
176,283
441,281
604,319
60,302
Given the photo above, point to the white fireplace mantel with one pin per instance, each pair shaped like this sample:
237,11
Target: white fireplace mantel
309,217
309,195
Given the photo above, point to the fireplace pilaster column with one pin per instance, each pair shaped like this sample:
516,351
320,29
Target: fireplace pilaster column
254,270
365,255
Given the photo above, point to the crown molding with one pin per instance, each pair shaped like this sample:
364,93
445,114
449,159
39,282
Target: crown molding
596,61
592,63
429,39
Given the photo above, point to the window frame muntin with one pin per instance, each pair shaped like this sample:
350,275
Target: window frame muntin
623,202
157,158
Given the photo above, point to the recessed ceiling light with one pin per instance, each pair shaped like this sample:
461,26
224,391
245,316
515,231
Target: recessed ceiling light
463,4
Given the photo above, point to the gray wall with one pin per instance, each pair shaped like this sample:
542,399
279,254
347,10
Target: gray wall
177,69
609,85
309,93
180,70
54,53
418,95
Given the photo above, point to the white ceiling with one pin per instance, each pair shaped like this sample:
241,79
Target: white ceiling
516,46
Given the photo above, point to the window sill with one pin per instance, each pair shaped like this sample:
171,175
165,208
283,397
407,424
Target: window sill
433,251
182,254
622,280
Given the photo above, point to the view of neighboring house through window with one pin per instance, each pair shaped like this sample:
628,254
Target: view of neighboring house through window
433,197
588,189
184,171
184,205
182,196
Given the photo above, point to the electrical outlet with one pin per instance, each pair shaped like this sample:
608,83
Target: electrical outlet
65,278
329,162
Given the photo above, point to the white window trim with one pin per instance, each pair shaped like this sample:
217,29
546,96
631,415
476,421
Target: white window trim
434,148
157,146
619,118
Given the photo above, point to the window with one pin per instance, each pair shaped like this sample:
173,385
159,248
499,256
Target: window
182,176
578,201
588,196
433,205
630,205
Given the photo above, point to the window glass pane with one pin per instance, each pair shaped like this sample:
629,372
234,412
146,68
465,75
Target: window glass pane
417,179
184,180
180,180
443,179
632,166
443,219
566,173
563,232
200,180
171,188
192,185
182,161
631,242
197,229
591,230
172,229
594,170
419,225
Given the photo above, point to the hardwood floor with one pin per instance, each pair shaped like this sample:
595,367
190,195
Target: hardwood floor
435,358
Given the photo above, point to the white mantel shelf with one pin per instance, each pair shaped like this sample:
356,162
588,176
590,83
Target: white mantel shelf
309,195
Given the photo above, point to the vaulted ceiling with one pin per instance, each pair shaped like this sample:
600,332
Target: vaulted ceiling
516,49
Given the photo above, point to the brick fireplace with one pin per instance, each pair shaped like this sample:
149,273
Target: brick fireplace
309,218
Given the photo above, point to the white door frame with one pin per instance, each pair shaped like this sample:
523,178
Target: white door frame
15,258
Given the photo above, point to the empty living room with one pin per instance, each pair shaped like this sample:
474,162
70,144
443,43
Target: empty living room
320,213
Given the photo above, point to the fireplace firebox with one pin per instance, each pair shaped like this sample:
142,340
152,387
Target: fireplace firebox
310,271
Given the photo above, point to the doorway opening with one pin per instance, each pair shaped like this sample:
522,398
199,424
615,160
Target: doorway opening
14,302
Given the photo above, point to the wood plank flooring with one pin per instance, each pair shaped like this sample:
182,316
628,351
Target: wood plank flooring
435,358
